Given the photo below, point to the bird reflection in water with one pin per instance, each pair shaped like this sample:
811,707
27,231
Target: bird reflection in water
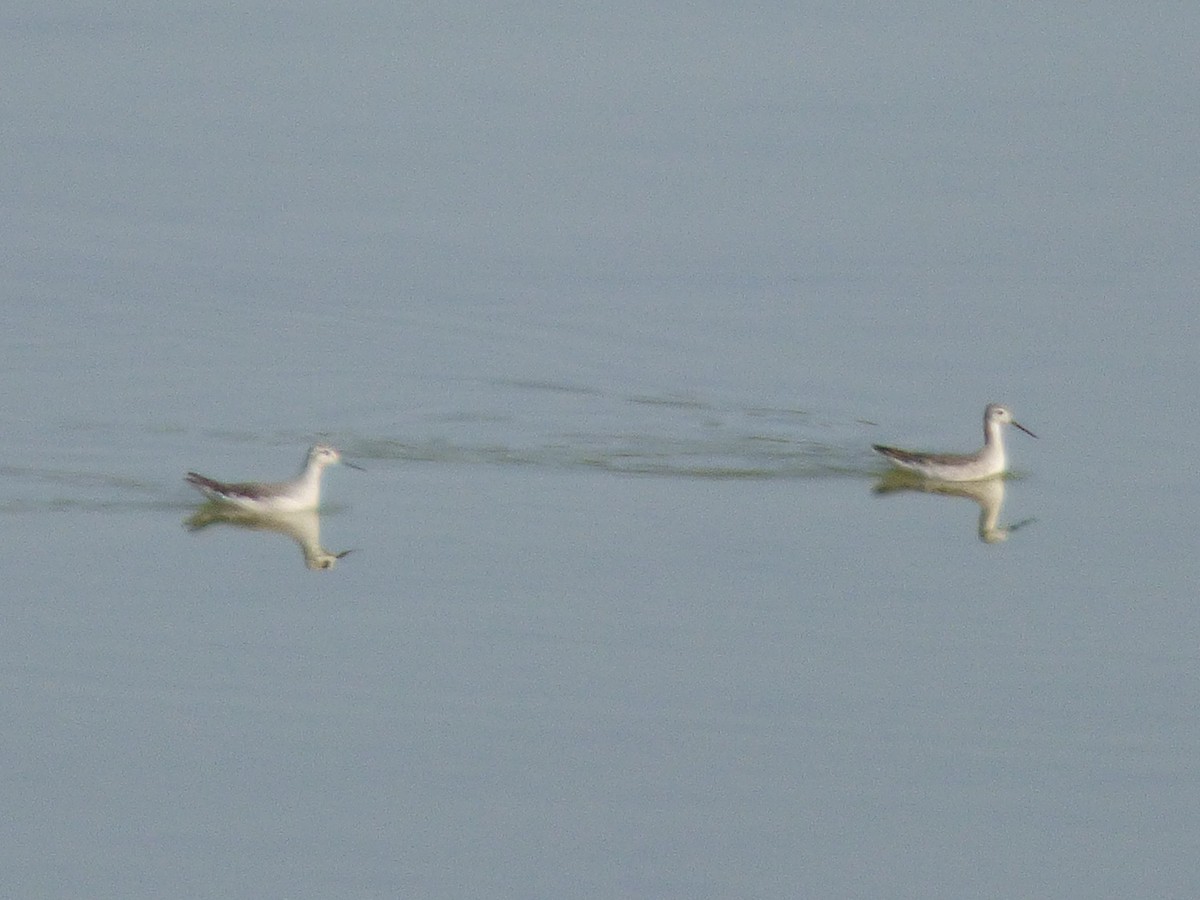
988,493
302,527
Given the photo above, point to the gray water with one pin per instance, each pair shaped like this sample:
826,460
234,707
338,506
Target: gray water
611,303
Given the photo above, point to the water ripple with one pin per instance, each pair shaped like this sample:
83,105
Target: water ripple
666,436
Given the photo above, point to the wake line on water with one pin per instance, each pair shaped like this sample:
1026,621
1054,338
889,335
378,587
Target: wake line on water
517,425
564,427
631,456
750,459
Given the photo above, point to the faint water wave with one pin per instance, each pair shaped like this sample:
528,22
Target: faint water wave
75,490
634,455
54,491
562,427
526,424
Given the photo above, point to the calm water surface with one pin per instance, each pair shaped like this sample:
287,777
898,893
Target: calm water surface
611,305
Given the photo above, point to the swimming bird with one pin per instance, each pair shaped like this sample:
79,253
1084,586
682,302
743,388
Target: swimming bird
301,493
984,463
